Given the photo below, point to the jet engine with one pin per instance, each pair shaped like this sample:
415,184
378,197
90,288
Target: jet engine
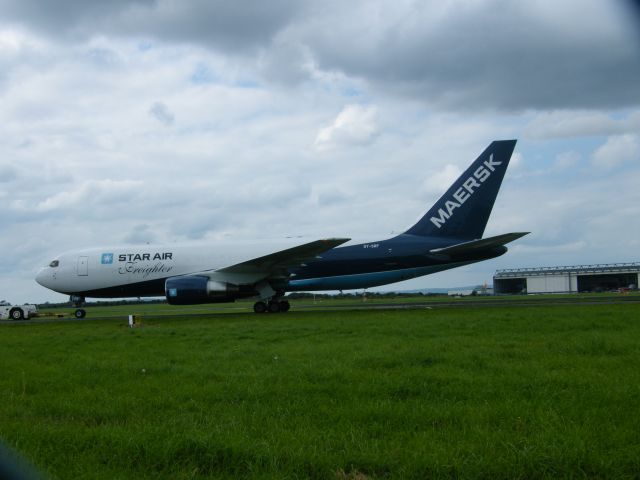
195,289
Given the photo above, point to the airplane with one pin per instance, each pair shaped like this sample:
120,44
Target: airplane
449,235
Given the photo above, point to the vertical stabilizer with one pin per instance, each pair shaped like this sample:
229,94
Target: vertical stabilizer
463,211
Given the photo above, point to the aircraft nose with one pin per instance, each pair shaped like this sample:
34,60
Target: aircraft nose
43,277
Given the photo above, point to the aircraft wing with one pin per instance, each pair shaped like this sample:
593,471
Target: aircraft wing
482,244
278,262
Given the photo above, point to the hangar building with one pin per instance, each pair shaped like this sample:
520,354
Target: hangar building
579,278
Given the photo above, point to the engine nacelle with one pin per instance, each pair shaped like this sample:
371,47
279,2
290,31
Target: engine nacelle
194,289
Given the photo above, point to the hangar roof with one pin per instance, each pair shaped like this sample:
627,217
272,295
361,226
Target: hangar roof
564,270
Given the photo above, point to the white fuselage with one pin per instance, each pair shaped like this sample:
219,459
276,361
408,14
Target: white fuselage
105,267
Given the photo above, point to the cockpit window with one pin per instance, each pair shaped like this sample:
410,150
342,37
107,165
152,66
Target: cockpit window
54,264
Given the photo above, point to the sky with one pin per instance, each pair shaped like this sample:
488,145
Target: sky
167,121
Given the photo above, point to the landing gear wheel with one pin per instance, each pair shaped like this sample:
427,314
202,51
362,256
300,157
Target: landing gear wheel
284,306
78,301
260,307
274,307
16,314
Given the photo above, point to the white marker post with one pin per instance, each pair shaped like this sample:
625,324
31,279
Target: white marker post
132,322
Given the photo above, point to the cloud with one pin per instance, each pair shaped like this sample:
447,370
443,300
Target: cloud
331,196
437,184
140,234
313,119
490,54
12,41
580,123
97,193
231,26
161,112
286,62
355,125
566,160
616,151
7,174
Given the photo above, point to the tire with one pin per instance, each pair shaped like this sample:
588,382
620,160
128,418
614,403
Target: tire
274,307
16,314
284,306
80,313
259,307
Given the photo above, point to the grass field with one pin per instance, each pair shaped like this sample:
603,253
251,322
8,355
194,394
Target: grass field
508,392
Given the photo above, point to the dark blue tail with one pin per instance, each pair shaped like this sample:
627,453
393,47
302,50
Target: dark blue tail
463,211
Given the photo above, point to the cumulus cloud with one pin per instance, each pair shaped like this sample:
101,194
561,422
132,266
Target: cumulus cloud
580,123
355,125
300,118
447,54
161,112
7,174
287,63
437,184
565,160
92,192
331,196
12,41
616,151
233,26
492,54
140,234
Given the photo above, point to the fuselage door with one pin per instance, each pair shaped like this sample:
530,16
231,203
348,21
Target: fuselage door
83,266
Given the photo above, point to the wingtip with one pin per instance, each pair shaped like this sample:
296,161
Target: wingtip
517,235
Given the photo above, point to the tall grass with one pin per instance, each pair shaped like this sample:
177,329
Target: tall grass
540,392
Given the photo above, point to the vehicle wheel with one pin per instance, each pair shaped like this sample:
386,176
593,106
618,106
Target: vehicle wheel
259,307
16,314
274,307
80,313
284,306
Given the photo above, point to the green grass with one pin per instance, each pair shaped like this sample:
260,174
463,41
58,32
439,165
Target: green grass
356,301
452,393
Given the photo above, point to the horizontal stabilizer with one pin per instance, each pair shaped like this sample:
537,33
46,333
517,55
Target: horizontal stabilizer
482,244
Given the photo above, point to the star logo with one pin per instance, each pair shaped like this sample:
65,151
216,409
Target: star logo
107,258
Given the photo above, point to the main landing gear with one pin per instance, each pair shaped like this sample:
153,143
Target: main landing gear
78,302
272,306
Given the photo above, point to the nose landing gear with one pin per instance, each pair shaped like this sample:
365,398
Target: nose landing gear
78,302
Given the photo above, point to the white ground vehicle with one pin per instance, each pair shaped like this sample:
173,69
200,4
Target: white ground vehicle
17,312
